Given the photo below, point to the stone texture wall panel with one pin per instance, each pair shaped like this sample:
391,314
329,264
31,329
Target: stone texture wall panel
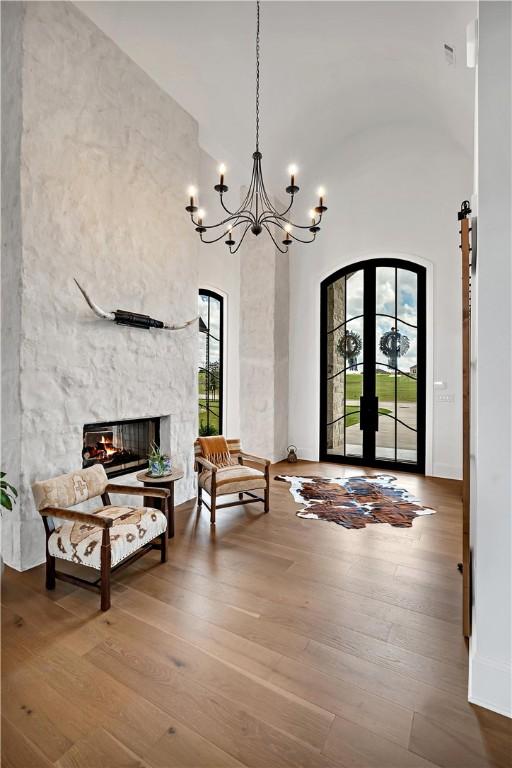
105,158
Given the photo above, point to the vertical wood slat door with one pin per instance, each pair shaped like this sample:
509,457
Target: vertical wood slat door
465,249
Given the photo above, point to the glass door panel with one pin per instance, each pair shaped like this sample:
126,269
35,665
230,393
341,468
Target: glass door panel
344,364
406,400
396,353
407,296
353,351
385,436
354,374
385,290
355,299
406,450
336,310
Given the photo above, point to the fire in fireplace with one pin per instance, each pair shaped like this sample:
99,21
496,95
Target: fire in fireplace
121,446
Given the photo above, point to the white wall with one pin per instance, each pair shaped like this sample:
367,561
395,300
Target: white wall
394,190
98,194
490,683
220,272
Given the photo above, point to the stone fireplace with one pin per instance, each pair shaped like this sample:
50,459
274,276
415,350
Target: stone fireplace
96,158
93,191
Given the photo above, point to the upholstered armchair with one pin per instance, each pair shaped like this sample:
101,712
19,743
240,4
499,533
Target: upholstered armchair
224,469
106,538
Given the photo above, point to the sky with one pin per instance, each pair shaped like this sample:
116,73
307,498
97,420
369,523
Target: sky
406,305
214,328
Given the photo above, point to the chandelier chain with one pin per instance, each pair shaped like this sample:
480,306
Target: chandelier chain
258,75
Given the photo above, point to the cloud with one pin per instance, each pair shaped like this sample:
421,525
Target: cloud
405,306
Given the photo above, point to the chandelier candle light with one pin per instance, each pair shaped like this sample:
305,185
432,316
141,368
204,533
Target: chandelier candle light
256,213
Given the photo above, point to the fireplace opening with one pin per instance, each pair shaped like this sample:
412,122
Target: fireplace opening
121,446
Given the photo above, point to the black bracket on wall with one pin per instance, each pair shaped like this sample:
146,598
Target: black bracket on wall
133,319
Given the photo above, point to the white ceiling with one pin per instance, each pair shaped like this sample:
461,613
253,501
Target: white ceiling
329,70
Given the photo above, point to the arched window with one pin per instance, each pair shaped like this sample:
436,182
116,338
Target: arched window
211,353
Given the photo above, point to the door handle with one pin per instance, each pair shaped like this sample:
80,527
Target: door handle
369,407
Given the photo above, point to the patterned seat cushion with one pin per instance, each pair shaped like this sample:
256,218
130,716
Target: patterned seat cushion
81,542
233,479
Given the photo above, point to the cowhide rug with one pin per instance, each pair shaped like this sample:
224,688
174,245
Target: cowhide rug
353,502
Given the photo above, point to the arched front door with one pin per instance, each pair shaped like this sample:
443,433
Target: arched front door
373,356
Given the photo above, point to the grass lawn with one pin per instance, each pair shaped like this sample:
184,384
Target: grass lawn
214,419
202,382
406,393
353,417
406,387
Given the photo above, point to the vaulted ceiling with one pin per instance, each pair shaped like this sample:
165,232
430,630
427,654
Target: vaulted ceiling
329,70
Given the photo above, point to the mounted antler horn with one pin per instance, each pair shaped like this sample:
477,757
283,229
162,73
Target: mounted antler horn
97,310
133,319
169,327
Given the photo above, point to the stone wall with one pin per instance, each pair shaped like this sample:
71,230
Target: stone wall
12,14
264,312
105,158
336,313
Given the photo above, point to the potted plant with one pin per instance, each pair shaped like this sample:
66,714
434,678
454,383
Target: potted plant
8,495
159,463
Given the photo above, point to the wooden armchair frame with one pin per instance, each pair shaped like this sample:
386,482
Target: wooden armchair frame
203,463
102,584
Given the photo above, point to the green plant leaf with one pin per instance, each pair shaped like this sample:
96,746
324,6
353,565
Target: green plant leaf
5,501
8,488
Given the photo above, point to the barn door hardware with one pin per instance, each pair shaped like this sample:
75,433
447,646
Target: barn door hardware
466,238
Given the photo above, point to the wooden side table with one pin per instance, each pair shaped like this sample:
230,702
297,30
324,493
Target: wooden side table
162,482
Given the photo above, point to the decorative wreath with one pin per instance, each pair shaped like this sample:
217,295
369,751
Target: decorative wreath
394,344
349,345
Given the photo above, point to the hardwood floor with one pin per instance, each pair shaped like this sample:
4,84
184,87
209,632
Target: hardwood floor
271,641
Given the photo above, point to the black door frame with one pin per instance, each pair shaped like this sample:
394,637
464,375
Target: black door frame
369,266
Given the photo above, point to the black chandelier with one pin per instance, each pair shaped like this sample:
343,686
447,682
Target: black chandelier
256,212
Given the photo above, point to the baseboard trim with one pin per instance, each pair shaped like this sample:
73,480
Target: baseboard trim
489,705
447,471
490,685
25,567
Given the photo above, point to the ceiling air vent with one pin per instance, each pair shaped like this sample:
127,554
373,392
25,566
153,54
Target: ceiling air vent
449,54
